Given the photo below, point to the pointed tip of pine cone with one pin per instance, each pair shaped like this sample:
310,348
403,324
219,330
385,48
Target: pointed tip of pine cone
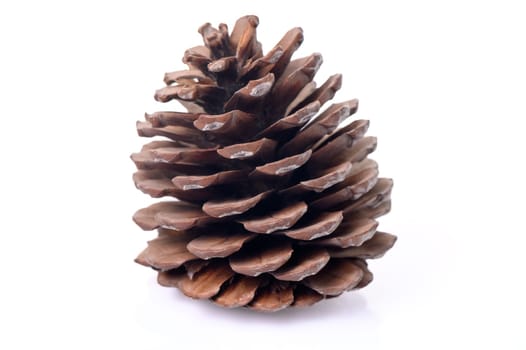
202,28
252,19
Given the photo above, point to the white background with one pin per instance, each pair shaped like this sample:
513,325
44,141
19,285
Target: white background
443,84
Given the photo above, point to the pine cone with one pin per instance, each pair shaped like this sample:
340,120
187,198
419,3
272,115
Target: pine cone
273,202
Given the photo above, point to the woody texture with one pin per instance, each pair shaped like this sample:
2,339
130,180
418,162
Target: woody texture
271,199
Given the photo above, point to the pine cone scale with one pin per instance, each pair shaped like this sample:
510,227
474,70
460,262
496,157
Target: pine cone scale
317,226
304,296
235,206
351,233
293,121
167,252
278,220
303,264
207,282
374,248
268,257
238,293
337,276
218,245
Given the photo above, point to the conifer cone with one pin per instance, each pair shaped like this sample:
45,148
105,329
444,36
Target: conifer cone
271,201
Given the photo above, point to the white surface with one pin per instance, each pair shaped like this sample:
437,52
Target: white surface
443,85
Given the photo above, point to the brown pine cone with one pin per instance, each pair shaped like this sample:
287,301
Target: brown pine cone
272,202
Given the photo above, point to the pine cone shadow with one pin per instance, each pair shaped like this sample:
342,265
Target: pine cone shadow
352,303
164,308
